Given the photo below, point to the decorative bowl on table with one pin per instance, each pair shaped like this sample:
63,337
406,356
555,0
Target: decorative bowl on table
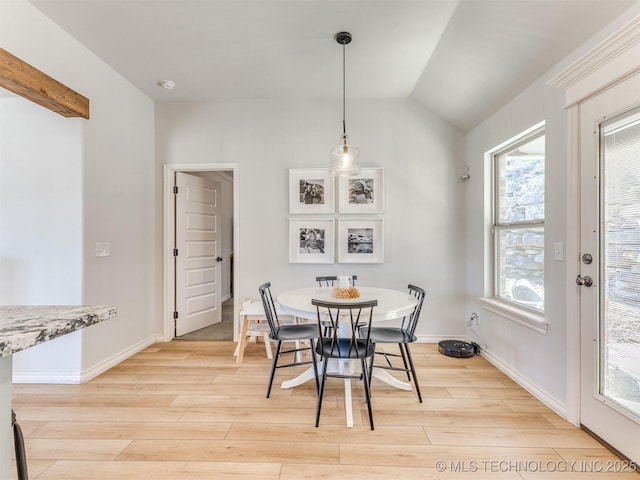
345,293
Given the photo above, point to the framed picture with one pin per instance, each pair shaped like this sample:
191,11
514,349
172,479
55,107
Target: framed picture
360,240
362,193
311,240
311,191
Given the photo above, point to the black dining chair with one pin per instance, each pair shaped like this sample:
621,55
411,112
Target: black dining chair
329,281
20,452
287,333
403,336
351,346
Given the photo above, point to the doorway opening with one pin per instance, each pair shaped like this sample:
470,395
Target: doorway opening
205,261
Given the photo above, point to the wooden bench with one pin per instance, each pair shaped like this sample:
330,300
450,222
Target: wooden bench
254,325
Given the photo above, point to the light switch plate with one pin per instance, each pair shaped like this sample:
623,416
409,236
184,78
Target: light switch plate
558,251
103,249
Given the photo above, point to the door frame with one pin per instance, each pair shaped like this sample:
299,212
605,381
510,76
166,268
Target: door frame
169,283
608,63
602,413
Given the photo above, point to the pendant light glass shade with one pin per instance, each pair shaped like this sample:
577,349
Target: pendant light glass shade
345,158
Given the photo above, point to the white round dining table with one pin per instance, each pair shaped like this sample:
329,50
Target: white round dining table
392,304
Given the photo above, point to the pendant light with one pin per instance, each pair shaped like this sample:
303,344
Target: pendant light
345,158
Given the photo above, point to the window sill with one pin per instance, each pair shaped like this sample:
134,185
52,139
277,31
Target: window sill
526,318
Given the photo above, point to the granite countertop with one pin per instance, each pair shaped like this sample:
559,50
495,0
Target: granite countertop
23,326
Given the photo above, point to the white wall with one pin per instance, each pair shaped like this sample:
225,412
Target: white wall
535,360
422,157
533,355
40,205
115,197
40,218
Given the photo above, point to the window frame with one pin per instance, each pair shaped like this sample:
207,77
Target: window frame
522,314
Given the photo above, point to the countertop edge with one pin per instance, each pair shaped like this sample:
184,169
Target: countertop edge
24,326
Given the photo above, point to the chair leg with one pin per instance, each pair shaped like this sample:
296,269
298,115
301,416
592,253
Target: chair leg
297,356
321,393
404,361
371,366
413,371
21,454
267,344
273,366
312,348
367,391
242,341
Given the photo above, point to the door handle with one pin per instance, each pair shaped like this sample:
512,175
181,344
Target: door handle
585,281
219,259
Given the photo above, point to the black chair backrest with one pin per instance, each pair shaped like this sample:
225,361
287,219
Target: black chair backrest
410,322
269,308
355,313
331,279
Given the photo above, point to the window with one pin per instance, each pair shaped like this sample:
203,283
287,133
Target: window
518,220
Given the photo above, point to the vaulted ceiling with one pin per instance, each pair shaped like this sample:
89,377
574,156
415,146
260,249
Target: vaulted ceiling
461,59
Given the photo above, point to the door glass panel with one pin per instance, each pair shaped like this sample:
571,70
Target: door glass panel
620,267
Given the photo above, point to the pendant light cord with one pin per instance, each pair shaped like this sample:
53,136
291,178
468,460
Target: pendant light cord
344,89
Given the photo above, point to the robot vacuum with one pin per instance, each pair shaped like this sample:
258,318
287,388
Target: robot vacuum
458,349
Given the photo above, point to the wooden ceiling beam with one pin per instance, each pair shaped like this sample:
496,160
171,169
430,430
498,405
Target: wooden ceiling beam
22,79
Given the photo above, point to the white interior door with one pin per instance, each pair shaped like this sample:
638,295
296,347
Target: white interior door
198,276
610,266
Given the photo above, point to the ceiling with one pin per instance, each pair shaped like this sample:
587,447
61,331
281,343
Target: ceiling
461,59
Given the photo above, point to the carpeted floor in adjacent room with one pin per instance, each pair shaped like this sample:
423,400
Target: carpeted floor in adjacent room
219,331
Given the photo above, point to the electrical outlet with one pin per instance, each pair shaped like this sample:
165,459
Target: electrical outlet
103,249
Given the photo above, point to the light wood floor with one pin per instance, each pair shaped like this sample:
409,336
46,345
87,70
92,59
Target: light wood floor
185,410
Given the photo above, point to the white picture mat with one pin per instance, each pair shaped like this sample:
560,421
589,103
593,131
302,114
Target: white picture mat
361,240
362,193
303,247
303,191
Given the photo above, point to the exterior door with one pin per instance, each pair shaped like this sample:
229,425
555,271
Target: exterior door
609,280
198,275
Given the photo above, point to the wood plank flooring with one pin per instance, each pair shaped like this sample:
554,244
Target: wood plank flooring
186,410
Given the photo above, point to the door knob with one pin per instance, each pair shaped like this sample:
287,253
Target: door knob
585,281
219,259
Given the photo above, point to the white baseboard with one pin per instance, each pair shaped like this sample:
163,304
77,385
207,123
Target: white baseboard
46,377
434,339
85,375
549,400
